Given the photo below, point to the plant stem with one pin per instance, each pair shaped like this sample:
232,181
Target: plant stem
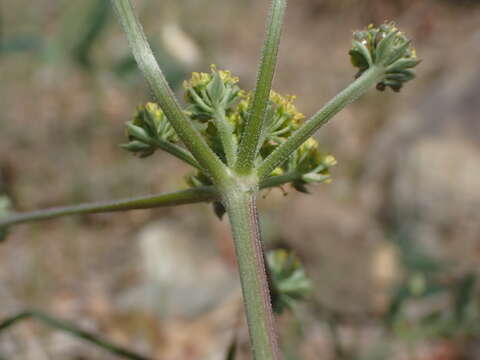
369,78
226,135
182,197
148,65
178,152
242,211
253,129
189,196
73,330
279,180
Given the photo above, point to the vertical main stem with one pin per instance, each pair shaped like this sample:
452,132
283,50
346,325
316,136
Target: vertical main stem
242,211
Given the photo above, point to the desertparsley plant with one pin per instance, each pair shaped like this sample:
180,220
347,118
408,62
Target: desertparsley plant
239,142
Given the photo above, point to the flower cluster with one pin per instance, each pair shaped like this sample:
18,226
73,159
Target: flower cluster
207,93
311,165
384,46
148,130
215,99
288,282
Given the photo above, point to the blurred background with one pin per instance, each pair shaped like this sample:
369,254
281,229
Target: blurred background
392,245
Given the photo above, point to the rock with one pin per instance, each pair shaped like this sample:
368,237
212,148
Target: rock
351,266
182,275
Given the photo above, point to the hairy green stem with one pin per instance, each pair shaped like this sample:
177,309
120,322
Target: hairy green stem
280,180
73,330
369,78
182,197
225,131
189,196
178,152
253,129
148,65
242,212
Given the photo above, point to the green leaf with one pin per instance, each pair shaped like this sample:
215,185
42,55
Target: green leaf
138,133
216,89
385,44
136,146
403,76
360,56
399,52
404,64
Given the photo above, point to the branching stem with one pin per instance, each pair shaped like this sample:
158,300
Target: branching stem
236,183
344,98
189,196
168,103
178,152
280,180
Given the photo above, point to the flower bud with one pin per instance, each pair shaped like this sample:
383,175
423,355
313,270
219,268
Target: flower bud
311,165
288,282
208,92
148,127
282,118
387,47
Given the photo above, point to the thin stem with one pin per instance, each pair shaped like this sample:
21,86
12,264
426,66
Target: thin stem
73,330
148,65
242,211
178,152
279,180
254,126
226,135
369,78
189,196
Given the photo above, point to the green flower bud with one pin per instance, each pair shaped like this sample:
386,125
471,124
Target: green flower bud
205,91
312,166
387,47
148,127
208,92
238,116
211,98
288,282
282,119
